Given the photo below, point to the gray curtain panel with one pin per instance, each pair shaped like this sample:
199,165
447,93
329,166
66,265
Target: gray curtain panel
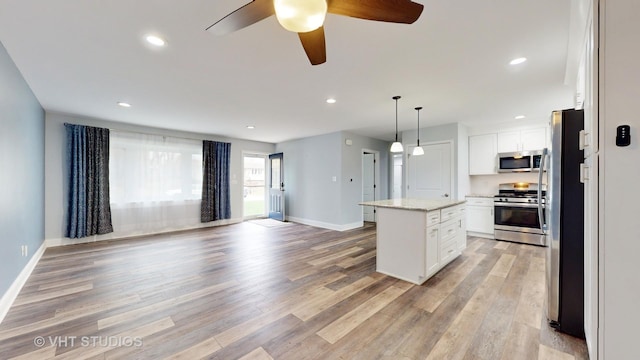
215,204
88,210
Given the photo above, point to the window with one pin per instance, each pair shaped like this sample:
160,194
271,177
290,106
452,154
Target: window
254,185
150,168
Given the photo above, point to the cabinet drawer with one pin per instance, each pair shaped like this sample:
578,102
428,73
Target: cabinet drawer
479,201
448,252
451,212
448,230
433,218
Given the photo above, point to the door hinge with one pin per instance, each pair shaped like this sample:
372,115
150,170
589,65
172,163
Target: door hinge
583,140
374,186
584,173
374,211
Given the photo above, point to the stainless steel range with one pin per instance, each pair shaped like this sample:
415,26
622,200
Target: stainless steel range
517,214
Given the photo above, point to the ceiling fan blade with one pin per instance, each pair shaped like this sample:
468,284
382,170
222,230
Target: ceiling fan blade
247,15
396,11
314,45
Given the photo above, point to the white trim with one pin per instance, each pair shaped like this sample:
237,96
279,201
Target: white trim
325,225
10,296
98,238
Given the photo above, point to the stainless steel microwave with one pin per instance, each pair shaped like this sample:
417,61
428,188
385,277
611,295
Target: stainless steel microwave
525,161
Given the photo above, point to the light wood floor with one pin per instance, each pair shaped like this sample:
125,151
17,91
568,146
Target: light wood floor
250,291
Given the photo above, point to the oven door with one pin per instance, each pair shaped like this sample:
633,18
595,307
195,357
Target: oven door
517,217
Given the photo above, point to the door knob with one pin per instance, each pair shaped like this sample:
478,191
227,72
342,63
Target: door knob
446,195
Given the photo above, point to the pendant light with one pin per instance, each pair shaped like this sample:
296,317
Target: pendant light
396,147
418,149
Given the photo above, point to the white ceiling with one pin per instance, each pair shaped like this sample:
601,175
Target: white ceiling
82,57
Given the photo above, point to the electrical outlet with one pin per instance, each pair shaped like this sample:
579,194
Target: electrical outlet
24,250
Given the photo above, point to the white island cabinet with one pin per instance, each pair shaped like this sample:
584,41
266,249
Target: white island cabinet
417,237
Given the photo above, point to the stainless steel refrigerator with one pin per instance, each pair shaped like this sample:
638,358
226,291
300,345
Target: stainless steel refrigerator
564,225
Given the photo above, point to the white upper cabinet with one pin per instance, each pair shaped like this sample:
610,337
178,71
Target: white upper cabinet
483,150
531,139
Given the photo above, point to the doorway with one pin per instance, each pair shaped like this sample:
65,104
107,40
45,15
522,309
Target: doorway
430,176
276,187
254,186
370,179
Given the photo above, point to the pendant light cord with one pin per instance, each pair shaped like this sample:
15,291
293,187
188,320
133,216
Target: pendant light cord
396,99
419,108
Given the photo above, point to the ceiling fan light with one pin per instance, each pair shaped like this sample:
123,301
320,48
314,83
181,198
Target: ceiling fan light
300,15
418,150
396,147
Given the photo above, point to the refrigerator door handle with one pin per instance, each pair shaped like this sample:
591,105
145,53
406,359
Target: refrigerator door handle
543,226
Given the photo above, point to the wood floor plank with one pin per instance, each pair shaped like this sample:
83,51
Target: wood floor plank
503,266
246,290
547,353
345,324
531,305
141,312
138,333
257,354
198,351
522,342
314,306
455,341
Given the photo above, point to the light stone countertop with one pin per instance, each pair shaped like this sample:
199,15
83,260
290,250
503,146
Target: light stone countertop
414,204
481,195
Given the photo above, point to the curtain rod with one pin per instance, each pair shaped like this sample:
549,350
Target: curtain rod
143,133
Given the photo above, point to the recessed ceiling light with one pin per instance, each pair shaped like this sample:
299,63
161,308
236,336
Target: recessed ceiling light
155,40
520,117
518,61
124,104
250,127
331,101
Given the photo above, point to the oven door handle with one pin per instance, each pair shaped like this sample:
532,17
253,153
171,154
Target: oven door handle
543,158
518,205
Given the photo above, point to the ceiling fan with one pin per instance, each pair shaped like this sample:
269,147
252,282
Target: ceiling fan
306,17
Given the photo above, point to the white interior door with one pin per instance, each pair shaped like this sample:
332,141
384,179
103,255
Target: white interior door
368,185
429,175
397,176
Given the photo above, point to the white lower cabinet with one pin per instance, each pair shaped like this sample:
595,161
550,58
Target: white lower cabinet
480,217
413,244
433,233
446,239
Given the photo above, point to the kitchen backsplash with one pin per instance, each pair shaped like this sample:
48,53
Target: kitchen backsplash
488,184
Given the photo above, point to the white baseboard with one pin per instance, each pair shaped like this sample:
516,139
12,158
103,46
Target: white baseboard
121,236
10,296
326,225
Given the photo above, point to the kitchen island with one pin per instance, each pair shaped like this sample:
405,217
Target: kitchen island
417,237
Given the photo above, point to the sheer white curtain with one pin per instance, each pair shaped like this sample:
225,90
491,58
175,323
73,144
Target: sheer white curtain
155,183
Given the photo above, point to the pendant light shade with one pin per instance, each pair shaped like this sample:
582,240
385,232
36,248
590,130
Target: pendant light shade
418,150
300,16
396,147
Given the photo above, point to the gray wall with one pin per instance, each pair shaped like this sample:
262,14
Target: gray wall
352,170
309,167
21,171
56,196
